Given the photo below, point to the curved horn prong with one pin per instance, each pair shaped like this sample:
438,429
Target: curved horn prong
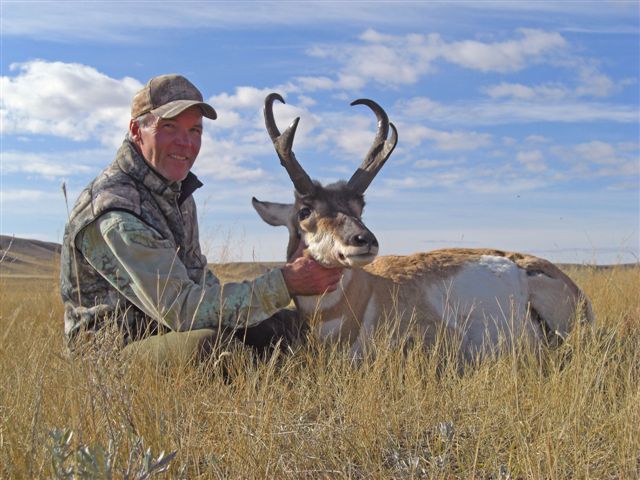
383,121
269,120
283,143
380,150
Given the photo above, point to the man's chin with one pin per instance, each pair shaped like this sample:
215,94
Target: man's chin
176,175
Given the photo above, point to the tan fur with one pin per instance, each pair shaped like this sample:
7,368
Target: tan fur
553,294
397,281
403,268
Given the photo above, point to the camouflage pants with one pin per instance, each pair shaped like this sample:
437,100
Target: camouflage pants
282,330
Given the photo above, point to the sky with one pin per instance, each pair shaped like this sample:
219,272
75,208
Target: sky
518,122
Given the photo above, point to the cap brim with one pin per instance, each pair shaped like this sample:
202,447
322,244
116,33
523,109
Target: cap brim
173,109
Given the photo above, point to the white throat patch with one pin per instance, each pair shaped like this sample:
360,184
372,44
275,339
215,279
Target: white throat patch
322,247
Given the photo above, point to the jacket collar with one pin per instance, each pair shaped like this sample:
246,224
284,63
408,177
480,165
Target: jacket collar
189,185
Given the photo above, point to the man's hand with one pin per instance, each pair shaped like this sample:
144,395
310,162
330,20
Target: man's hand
305,276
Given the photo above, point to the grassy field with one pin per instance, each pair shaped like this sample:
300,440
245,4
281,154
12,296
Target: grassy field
312,414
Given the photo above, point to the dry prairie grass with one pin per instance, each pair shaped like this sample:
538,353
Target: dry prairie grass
313,414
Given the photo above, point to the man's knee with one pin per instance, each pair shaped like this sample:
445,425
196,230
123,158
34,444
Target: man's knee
180,347
283,329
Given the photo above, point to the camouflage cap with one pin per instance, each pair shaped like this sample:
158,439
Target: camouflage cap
167,96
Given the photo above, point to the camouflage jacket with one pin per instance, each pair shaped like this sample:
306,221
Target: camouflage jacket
131,258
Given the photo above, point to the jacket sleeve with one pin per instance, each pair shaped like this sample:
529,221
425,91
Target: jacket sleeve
145,268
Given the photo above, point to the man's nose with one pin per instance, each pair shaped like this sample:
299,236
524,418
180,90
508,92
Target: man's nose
183,138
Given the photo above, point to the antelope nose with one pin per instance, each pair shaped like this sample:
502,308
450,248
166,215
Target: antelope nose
365,239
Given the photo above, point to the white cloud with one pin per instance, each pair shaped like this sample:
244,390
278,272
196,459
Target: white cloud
79,103
227,119
602,159
598,152
51,167
311,84
473,178
480,112
395,60
223,159
506,56
532,160
305,101
245,108
104,22
245,97
506,185
352,142
26,196
532,169
594,83
598,159
234,109
67,100
523,92
406,182
428,164
589,83
537,139
415,134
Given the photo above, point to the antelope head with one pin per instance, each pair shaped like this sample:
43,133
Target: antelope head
327,219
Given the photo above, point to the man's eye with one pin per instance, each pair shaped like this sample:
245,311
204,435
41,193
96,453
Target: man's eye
304,213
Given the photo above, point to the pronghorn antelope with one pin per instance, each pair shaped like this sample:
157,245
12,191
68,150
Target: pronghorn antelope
485,298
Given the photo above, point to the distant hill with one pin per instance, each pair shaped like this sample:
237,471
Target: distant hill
22,257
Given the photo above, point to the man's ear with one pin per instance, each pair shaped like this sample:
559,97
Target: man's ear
275,214
134,130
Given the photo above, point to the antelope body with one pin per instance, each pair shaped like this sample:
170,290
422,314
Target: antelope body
486,299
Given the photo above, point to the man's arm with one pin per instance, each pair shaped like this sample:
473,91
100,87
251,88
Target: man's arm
145,268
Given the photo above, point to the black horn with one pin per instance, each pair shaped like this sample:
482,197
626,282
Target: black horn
283,144
379,151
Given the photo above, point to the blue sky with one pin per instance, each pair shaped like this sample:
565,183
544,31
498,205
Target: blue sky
518,121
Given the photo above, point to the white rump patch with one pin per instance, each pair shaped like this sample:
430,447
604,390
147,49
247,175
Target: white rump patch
484,301
498,265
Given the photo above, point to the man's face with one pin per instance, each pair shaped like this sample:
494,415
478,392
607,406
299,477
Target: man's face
171,146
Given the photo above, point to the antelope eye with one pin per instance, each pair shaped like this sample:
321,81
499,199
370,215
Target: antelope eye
303,213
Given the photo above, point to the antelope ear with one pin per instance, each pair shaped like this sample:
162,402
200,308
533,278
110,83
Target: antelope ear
275,214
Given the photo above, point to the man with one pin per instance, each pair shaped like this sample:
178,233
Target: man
131,256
